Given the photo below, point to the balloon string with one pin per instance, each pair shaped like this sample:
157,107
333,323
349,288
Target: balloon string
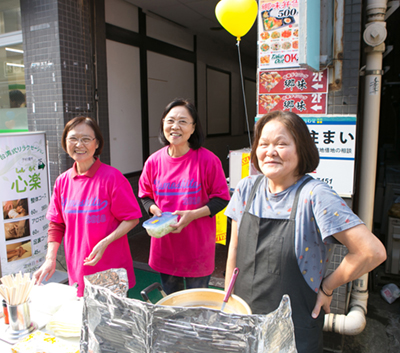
244,95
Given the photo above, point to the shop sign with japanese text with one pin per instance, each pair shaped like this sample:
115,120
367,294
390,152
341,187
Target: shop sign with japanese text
278,34
297,90
24,200
306,103
293,81
335,138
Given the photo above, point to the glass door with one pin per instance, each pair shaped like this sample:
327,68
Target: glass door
13,111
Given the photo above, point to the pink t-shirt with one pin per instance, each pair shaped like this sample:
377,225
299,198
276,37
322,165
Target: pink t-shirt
92,206
177,184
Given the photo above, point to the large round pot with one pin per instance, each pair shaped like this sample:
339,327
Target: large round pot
202,297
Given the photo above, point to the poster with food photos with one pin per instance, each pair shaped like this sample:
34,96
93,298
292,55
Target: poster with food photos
298,103
278,34
300,91
24,200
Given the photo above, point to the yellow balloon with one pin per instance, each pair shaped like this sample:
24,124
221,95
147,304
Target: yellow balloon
236,16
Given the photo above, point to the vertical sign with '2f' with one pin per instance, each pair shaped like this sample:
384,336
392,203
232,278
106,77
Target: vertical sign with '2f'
297,90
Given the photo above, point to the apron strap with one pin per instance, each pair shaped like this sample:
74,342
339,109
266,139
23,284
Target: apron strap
253,192
296,198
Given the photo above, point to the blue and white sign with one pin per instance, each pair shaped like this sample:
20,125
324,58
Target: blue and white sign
335,138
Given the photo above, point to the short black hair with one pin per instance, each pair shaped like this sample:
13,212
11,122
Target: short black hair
17,96
196,140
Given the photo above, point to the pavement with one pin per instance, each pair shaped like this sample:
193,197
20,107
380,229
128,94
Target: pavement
382,331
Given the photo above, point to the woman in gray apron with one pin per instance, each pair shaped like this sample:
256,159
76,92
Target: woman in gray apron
284,224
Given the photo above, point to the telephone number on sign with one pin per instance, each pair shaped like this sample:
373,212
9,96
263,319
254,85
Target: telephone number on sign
328,181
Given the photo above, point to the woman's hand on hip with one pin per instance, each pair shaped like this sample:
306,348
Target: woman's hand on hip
323,301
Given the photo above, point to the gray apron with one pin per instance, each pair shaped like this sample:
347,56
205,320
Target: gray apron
267,261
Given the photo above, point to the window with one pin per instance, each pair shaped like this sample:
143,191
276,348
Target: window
13,112
250,89
10,16
13,115
218,102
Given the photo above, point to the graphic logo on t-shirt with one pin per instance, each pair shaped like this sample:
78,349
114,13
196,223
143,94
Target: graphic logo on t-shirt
89,205
183,187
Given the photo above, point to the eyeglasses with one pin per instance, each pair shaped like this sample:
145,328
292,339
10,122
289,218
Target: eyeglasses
84,140
181,123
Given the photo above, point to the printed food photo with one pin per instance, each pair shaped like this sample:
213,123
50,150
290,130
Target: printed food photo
269,102
264,35
265,59
275,35
275,46
271,22
270,79
264,47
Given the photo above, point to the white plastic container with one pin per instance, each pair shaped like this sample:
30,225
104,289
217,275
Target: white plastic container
390,292
157,227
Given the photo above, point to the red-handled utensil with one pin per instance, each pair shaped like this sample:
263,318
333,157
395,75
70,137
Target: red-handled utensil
230,288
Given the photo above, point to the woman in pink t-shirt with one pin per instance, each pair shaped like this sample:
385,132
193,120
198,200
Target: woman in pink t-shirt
188,180
92,208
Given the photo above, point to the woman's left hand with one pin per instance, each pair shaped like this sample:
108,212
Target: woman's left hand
185,217
323,301
96,254
98,251
188,216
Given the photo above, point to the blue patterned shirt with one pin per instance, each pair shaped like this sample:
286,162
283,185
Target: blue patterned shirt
321,213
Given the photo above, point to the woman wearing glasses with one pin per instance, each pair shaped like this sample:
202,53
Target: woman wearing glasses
92,207
188,180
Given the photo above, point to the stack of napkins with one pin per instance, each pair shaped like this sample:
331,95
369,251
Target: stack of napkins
67,321
39,341
47,299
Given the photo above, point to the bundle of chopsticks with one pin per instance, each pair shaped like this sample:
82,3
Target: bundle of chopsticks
15,289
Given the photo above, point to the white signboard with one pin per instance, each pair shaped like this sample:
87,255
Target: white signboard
335,138
278,34
24,199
